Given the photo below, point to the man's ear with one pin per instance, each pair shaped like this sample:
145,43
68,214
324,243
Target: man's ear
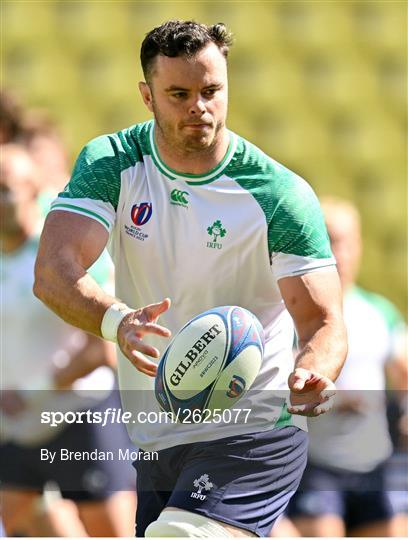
146,95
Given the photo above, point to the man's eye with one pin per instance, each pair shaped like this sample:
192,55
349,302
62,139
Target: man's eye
210,92
179,95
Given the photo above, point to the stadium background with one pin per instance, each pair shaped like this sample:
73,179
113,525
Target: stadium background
320,86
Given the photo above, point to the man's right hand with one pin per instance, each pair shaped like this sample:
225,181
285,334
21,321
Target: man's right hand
311,394
134,327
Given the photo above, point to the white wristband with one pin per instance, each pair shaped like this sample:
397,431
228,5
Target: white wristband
112,319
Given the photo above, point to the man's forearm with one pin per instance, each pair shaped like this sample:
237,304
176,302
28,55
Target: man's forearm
69,291
325,351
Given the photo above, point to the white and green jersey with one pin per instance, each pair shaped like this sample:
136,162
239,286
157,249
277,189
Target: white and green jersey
359,440
34,343
222,238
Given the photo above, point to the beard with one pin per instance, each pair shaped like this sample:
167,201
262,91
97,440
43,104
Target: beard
177,139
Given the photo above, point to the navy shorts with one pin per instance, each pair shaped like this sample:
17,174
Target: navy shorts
21,466
245,481
358,498
396,481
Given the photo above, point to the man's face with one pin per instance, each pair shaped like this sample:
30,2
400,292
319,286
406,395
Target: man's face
189,99
17,191
345,240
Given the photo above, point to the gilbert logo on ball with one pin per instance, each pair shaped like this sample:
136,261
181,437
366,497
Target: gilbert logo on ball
211,363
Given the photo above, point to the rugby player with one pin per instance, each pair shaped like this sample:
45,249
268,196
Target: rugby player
343,491
42,357
154,191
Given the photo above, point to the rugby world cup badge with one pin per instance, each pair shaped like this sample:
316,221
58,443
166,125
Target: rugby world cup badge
140,214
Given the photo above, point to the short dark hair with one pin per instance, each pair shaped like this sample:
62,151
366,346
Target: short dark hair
11,117
181,38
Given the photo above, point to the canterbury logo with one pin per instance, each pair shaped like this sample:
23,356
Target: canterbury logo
179,197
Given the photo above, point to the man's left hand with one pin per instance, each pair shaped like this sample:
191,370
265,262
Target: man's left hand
311,394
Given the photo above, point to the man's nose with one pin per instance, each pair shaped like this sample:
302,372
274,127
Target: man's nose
197,107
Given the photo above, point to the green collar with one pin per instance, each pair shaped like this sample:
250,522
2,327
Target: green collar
205,178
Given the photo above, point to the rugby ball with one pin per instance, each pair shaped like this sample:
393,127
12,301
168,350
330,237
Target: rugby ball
210,363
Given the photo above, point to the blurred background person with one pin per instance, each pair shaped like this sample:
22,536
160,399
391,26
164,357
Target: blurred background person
397,466
47,365
38,133
11,118
343,490
44,143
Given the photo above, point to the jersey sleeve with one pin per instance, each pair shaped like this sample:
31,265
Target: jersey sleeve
297,234
297,237
94,187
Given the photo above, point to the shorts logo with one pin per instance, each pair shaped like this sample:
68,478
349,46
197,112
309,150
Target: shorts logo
141,213
236,386
178,197
201,484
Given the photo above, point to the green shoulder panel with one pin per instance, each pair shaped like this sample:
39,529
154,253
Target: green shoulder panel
292,211
388,311
97,171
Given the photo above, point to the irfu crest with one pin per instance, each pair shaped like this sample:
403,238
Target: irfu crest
202,483
216,230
